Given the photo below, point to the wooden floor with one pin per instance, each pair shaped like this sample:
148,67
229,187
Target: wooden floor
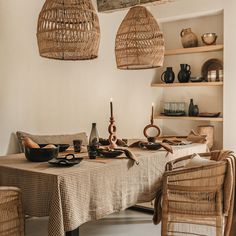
125,223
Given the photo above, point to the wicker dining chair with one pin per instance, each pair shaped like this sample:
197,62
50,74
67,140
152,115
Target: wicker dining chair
198,200
11,215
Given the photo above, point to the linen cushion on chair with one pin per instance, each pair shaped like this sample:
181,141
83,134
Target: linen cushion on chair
55,139
196,161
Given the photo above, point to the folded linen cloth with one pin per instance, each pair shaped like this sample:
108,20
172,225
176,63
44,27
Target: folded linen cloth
196,138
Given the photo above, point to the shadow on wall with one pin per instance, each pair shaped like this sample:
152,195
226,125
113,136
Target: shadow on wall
13,146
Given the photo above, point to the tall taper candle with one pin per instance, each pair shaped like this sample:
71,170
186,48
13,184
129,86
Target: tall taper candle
111,107
152,116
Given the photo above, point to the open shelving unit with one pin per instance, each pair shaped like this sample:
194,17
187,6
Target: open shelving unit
202,49
191,118
207,95
190,84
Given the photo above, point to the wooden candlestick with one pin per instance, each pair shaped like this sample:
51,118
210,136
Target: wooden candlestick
152,115
112,132
111,107
112,129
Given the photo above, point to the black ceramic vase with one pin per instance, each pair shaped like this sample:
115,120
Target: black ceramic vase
168,76
184,73
193,110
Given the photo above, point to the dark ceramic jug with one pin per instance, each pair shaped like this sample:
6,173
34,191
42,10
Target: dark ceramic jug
184,73
168,76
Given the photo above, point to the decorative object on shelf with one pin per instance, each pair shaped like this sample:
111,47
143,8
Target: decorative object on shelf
168,76
93,142
151,131
193,110
209,114
212,76
213,64
209,38
68,30
221,75
188,38
184,73
207,130
174,109
114,5
197,79
139,41
112,129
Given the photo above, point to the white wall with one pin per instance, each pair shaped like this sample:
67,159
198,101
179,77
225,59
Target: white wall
46,96
230,74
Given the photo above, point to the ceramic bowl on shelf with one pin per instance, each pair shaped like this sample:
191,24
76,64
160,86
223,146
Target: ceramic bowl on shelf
209,38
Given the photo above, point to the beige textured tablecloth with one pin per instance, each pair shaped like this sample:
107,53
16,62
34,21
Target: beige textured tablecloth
88,191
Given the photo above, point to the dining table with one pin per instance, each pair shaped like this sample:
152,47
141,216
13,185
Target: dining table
91,190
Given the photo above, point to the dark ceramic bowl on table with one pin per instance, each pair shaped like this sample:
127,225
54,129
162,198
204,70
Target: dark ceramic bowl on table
41,154
109,153
62,147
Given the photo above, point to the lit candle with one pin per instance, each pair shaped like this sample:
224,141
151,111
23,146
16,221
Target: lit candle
111,107
152,116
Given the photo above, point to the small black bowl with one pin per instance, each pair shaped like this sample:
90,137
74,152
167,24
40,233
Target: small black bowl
41,154
151,146
109,153
62,147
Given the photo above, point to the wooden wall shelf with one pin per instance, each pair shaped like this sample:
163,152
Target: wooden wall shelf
196,84
211,48
191,118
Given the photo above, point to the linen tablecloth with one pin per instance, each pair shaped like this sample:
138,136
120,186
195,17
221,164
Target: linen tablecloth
90,190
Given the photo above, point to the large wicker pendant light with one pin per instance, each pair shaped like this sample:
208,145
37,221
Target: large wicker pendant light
68,30
139,41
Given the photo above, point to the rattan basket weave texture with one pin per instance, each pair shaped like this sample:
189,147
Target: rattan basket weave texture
139,41
68,30
11,216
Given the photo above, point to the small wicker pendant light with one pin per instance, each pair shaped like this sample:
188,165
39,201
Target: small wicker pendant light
139,41
68,30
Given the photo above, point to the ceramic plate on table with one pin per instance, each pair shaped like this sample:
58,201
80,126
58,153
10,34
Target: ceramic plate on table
63,162
151,146
109,153
212,64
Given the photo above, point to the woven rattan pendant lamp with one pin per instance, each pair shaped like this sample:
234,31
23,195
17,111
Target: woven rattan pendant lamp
68,30
139,41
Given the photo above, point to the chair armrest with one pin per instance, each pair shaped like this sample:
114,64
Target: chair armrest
9,188
180,162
